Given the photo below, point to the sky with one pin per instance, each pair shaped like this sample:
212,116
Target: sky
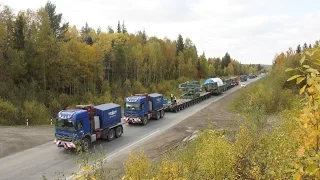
251,31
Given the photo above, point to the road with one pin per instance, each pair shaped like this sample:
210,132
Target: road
47,159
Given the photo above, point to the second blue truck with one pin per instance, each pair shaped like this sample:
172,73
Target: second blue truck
142,107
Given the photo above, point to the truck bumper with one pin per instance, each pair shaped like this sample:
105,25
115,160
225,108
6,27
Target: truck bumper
132,120
65,144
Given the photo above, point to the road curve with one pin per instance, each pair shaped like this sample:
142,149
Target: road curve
48,159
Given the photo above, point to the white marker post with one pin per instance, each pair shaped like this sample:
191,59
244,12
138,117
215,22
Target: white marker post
51,122
27,122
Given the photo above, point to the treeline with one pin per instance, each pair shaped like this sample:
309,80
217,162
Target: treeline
48,65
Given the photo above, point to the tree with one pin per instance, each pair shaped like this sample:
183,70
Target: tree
55,20
18,35
305,46
119,27
225,60
180,45
110,30
99,30
85,34
124,29
298,49
46,48
310,46
144,36
259,67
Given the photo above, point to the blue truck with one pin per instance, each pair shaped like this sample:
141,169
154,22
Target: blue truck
142,107
84,124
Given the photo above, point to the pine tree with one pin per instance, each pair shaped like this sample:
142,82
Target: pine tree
310,46
305,46
124,29
85,31
110,30
298,49
225,60
119,27
55,20
144,36
18,35
180,44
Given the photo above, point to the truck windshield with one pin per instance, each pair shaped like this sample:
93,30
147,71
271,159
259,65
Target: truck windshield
132,106
65,124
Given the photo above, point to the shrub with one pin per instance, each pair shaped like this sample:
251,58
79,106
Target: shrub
8,113
137,167
36,113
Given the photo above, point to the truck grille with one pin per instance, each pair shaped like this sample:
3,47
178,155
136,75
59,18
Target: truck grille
64,138
132,115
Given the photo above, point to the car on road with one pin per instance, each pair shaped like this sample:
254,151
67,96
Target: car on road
243,84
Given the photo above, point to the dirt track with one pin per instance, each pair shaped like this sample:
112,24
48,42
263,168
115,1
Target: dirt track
215,115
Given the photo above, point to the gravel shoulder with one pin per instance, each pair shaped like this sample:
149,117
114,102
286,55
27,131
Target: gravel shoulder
14,139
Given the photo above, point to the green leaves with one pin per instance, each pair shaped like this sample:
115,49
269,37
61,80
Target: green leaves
302,59
289,69
311,70
294,77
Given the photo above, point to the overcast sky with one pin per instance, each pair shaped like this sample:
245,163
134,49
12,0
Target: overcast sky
252,31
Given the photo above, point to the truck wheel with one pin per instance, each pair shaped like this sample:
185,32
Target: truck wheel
118,131
162,113
157,115
86,144
111,134
144,120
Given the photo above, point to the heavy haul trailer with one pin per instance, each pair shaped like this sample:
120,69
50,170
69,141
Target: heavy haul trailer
228,83
210,87
216,84
191,95
185,101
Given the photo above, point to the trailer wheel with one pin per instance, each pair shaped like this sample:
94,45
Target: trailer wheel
118,131
86,144
162,113
144,120
111,134
158,115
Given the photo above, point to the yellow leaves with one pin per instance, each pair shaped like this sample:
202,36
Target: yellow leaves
301,151
297,176
302,89
312,169
300,79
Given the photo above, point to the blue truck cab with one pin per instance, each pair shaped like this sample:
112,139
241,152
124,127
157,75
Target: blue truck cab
142,107
85,124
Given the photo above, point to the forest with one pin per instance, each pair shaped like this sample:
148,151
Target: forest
48,65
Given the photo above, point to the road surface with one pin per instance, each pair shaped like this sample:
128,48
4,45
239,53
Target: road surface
48,160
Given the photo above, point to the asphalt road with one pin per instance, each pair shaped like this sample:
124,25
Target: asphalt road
48,159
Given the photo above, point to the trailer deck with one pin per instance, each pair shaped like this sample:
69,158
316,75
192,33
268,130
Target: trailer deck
183,103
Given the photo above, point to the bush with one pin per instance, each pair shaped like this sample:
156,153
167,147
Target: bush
8,113
36,113
137,167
